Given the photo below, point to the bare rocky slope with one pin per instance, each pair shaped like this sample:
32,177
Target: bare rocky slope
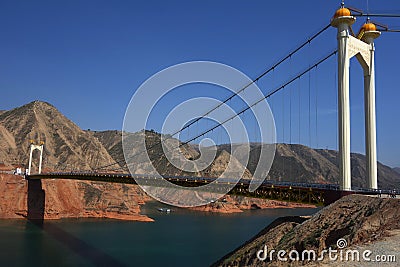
112,141
298,163
66,145
357,219
292,162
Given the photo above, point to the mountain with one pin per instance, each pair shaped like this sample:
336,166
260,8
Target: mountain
66,146
298,163
112,140
292,162
397,169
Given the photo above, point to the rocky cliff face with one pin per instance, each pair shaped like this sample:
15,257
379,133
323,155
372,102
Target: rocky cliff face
66,145
356,218
55,199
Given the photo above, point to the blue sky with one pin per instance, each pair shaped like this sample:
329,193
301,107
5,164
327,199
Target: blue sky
87,58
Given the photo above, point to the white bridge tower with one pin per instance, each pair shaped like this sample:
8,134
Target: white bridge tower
33,147
362,47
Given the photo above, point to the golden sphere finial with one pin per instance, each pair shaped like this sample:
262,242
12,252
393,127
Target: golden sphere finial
368,27
367,31
342,12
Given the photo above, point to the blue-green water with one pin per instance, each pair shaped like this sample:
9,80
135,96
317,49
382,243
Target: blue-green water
181,238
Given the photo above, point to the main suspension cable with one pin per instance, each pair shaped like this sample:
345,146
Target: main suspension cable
252,105
229,98
263,98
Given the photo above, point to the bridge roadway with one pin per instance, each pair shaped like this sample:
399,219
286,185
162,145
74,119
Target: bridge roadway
311,193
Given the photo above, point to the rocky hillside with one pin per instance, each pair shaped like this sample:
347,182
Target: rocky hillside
66,145
292,162
357,219
299,163
112,140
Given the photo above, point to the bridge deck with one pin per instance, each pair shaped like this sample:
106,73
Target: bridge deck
313,193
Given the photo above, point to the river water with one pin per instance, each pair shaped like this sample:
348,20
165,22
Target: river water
180,238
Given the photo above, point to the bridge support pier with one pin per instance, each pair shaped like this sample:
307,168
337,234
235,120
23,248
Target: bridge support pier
363,49
370,113
342,23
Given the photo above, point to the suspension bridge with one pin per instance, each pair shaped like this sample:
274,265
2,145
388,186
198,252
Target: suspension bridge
349,45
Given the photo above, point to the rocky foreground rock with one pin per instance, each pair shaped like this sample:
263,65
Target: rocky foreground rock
360,220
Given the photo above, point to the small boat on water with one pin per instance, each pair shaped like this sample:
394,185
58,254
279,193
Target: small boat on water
167,210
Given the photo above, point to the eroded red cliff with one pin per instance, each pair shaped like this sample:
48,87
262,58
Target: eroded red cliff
55,199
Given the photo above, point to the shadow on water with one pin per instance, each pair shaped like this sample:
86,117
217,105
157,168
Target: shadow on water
36,207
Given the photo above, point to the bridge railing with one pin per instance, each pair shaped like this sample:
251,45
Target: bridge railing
205,180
